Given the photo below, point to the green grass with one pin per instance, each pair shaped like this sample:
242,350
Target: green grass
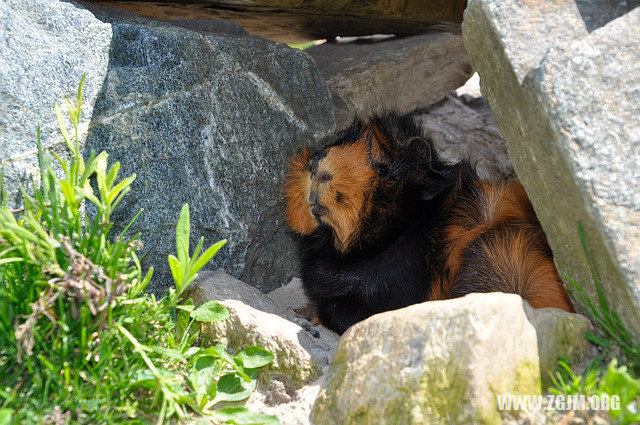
604,374
80,340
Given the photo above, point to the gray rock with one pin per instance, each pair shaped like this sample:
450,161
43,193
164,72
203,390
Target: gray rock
300,358
296,411
566,102
45,47
221,286
392,73
290,297
208,119
444,362
462,127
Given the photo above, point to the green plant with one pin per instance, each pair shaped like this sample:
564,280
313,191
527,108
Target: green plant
303,45
613,338
80,341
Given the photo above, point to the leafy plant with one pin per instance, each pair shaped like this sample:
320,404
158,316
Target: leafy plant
80,341
613,337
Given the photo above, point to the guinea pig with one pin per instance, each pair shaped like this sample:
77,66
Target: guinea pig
383,223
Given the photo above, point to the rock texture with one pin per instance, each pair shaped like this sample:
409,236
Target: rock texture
300,357
295,21
208,119
462,127
404,73
566,102
45,47
444,362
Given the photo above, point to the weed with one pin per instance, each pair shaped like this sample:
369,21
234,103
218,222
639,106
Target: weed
80,341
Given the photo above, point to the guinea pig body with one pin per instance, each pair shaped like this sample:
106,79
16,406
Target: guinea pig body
383,223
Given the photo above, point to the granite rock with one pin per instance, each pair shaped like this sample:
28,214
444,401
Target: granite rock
45,47
462,127
565,96
300,356
209,119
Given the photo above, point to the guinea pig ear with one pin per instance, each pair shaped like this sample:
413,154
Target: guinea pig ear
422,158
380,142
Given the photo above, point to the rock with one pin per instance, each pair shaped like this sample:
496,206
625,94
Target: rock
445,361
566,102
46,47
559,333
402,73
256,320
221,286
208,119
296,21
296,411
290,297
462,126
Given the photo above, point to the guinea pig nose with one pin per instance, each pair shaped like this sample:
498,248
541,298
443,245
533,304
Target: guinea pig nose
317,211
313,197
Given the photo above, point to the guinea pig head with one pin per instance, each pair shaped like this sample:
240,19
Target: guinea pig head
356,184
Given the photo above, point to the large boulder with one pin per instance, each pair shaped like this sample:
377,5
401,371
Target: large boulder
566,102
208,119
398,73
207,116
45,47
445,362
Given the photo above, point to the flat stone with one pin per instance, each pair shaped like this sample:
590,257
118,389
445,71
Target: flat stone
399,74
445,361
296,21
566,102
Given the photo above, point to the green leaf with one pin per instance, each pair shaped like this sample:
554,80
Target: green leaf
202,378
63,128
242,416
168,352
219,351
231,387
182,235
254,357
68,192
207,255
176,270
188,307
5,416
210,312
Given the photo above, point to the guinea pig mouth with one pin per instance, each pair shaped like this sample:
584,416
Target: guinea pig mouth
318,211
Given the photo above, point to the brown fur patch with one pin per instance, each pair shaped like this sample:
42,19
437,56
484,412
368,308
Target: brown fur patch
518,257
355,180
528,273
296,192
378,142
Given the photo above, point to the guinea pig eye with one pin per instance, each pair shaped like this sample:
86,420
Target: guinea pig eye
381,169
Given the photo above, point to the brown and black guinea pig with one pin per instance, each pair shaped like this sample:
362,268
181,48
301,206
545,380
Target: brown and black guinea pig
383,223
